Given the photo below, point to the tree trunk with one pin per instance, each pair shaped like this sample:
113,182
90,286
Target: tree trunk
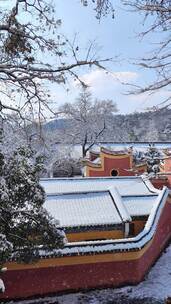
84,150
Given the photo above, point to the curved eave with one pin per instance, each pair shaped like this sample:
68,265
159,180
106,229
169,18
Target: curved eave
91,164
114,153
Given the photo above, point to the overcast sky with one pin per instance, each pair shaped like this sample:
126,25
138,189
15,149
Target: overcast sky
113,37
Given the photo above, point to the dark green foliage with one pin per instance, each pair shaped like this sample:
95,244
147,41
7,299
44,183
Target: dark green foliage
24,223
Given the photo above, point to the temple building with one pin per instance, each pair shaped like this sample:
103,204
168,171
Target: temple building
99,208
165,166
121,163
115,227
112,163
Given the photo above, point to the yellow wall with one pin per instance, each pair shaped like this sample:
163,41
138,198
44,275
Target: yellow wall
138,226
94,235
76,260
100,235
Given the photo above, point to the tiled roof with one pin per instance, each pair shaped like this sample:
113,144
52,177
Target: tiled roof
118,245
96,208
139,205
83,209
114,152
98,201
125,185
97,161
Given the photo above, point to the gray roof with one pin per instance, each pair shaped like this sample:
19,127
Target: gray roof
125,185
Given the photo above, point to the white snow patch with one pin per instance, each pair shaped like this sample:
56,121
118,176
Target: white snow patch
158,282
2,286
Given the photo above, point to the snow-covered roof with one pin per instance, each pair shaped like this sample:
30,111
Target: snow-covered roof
139,205
126,185
98,201
96,161
97,208
134,243
83,209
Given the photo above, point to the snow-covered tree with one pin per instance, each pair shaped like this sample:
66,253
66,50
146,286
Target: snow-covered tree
87,119
152,158
33,53
102,7
152,134
24,223
14,134
156,14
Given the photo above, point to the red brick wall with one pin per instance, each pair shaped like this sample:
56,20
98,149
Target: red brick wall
41,281
167,168
122,165
159,183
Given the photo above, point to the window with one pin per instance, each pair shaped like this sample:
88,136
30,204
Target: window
114,172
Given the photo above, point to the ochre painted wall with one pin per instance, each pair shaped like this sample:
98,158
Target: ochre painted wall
138,226
95,235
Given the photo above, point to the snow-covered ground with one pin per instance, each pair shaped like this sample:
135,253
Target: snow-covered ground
154,289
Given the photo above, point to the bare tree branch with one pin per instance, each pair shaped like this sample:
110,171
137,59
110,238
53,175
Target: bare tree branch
33,53
159,14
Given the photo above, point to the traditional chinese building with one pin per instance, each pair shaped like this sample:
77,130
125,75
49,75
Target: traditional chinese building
165,166
116,229
112,163
121,163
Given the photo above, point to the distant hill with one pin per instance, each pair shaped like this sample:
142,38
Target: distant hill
147,126
55,124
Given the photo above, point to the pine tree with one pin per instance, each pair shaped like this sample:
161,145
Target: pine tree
24,224
153,157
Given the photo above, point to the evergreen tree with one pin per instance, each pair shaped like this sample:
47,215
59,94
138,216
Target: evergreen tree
24,224
152,157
